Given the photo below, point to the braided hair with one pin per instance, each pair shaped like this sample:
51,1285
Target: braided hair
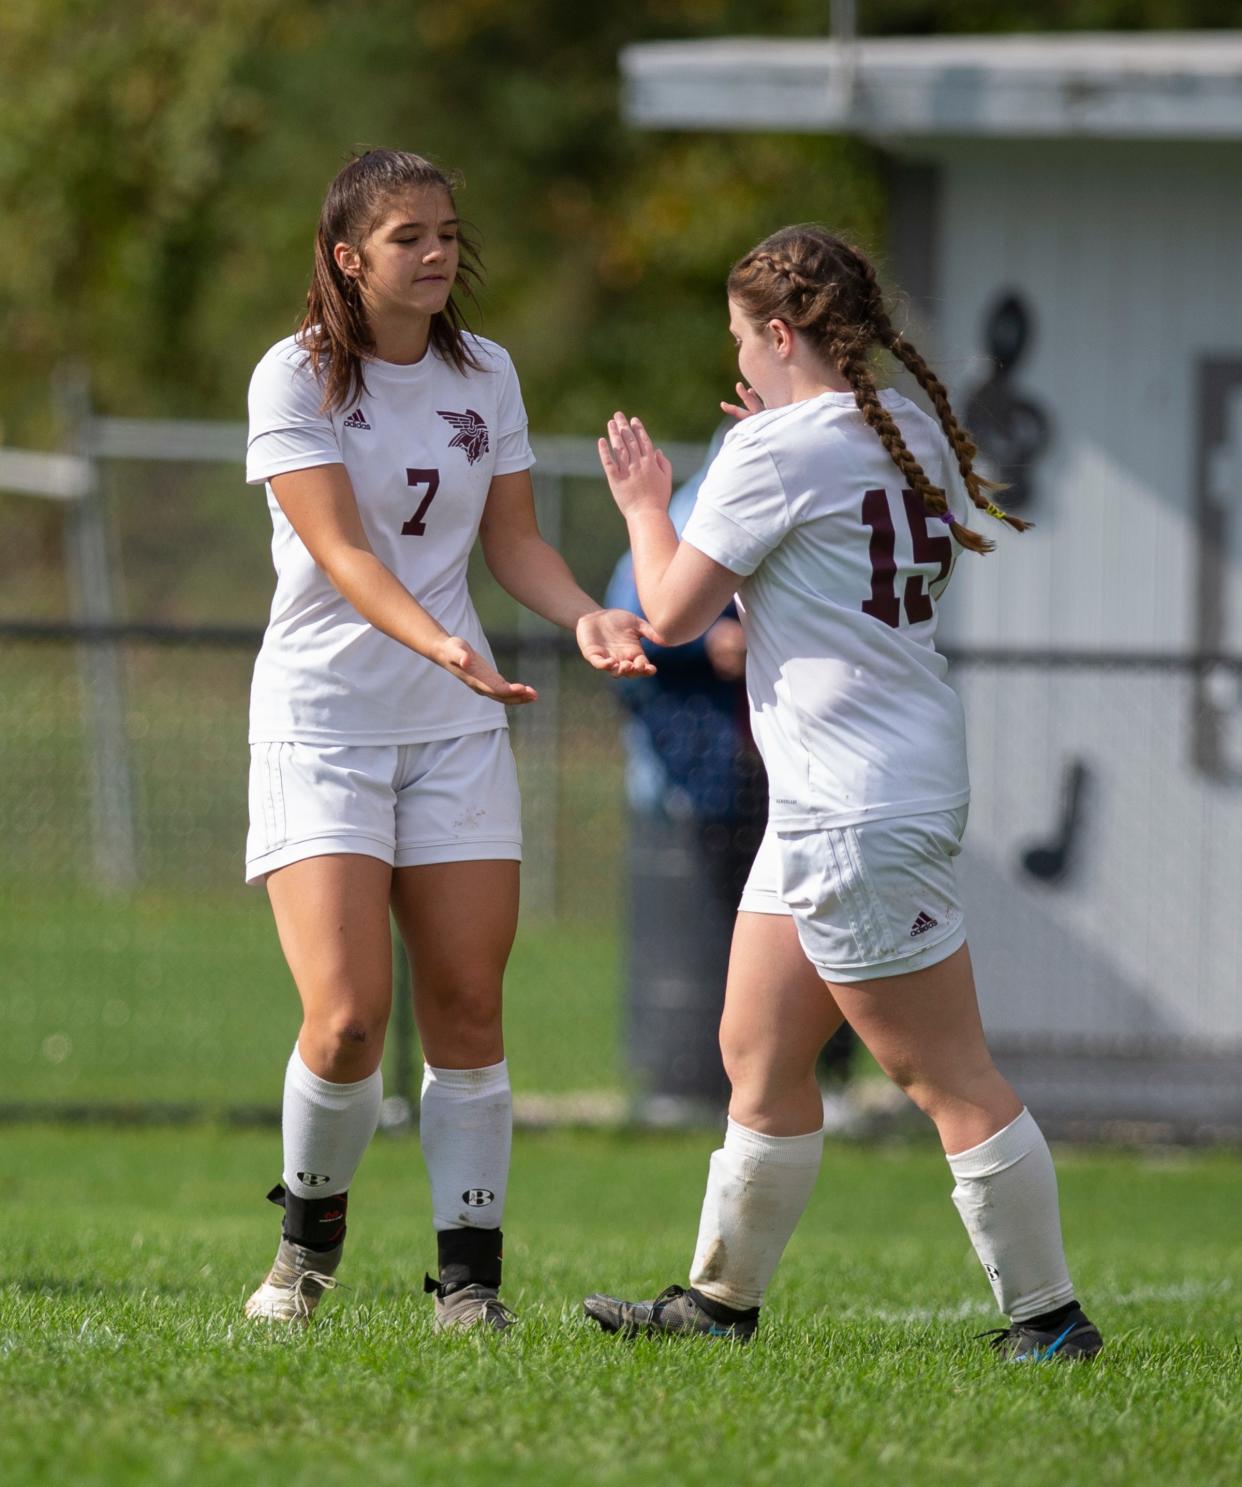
827,290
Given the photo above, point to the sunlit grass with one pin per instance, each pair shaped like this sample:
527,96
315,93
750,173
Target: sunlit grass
123,1358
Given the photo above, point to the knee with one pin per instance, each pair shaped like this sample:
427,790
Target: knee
463,1024
345,1044
740,1063
935,1090
906,1075
760,1082
470,1006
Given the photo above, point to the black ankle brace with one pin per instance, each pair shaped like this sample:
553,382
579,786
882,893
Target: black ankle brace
723,1314
467,1257
314,1223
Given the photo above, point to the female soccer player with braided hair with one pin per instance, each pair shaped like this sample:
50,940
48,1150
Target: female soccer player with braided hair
837,511
388,438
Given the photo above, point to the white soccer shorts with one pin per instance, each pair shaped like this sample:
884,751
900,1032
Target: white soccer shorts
876,899
449,800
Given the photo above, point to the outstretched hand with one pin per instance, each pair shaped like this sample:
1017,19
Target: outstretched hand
751,403
639,475
459,657
611,640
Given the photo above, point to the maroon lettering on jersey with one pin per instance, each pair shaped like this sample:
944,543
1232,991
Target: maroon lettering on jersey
883,601
927,550
916,599
416,526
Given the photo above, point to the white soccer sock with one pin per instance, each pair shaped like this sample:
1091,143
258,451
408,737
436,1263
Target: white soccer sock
757,1188
465,1124
326,1128
1006,1194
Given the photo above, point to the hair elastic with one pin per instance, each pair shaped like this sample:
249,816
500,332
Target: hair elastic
996,512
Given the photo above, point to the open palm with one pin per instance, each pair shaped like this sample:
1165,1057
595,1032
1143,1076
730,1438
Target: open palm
611,640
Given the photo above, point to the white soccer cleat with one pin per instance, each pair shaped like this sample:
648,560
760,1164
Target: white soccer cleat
293,1286
469,1306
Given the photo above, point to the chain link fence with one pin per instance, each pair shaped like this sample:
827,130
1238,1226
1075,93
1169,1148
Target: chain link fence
136,972
1102,872
1102,879
139,971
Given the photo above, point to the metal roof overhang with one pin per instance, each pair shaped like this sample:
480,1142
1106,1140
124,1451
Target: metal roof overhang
1153,85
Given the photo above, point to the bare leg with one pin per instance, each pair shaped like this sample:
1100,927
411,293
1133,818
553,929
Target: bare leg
778,1014
924,1031
332,919
458,920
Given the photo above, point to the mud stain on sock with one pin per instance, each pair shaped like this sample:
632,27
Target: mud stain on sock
714,1262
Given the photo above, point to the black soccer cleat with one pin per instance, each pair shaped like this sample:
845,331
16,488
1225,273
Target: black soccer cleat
674,1310
1072,1339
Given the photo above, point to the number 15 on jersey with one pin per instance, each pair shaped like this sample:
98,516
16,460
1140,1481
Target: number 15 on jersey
926,552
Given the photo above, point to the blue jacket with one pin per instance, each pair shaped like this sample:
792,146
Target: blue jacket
688,733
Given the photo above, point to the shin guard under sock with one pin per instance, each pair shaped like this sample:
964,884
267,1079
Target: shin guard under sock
757,1188
325,1128
465,1127
1006,1193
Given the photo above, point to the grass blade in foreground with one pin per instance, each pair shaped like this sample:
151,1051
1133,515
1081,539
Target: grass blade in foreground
123,1357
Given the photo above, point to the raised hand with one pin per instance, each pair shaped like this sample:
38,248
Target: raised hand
638,473
751,401
611,640
465,663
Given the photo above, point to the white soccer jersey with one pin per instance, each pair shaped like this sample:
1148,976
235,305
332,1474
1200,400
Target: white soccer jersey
421,446
842,568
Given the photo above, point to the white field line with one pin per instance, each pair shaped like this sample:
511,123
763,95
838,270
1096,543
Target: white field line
963,1310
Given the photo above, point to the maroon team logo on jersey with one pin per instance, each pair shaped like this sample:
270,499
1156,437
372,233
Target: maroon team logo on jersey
471,433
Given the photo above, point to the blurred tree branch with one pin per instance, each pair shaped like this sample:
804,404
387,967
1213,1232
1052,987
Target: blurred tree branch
161,166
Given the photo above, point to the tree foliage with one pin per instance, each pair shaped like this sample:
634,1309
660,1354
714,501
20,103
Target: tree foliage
162,163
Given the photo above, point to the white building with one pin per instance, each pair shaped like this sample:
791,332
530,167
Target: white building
1071,207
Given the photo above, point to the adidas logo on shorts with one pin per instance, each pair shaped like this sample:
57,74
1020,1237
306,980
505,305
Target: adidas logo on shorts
356,420
922,924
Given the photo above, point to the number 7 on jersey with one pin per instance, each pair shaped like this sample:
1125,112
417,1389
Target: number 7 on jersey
416,526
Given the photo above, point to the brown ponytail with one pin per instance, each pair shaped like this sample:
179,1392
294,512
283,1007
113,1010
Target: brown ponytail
334,329
828,291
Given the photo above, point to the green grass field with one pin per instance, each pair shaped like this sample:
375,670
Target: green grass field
168,998
175,991
123,1358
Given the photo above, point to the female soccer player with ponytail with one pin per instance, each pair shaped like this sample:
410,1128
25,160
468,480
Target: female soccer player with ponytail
388,438
837,511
